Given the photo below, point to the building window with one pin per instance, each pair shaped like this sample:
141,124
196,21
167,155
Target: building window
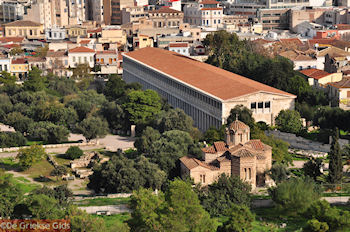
73,58
260,105
267,104
5,67
214,21
253,105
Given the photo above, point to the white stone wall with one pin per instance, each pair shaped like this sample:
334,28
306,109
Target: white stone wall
81,58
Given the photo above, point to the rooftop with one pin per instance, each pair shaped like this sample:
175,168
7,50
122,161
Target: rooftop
344,83
81,49
191,163
178,45
22,23
214,81
314,73
333,52
165,10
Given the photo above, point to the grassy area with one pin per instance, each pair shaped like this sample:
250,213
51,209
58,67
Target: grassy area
24,184
41,168
103,201
299,157
335,194
114,219
9,164
30,143
62,161
260,197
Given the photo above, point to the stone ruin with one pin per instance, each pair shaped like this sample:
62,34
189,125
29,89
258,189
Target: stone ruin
82,167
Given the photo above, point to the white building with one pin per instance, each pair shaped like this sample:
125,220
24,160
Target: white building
204,92
55,33
96,10
172,4
206,13
182,48
5,64
13,10
81,55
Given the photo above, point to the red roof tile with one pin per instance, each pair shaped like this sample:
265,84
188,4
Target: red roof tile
238,125
19,61
214,81
94,30
81,49
216,8
85,41
209,2
8,39
178,45
191,163
295,41
256,144
220,146
314,73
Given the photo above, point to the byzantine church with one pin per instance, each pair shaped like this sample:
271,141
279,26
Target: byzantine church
238,155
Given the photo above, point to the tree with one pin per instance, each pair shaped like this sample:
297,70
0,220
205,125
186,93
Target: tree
289,121
93,127
28,156
12,139
224,192
16,51
244,114
42,51
149,136
313,167
7,79
335,161
177,210
142,106
114,115
35,82
174,119
18,121
121,174
167,150
73,152
62,194
82,221
314,225
279,173
115,88
10,194
82,71
213,135
48,132
295,195
240,219
44,207
59,171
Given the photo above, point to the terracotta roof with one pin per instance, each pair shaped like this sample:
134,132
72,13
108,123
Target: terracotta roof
165,10
81,49
94,30
220,146
85,41
216,8
256,144
8,39
9,46
19,61
238,125
243,153
325,41
263,41
178,45
314,73
295,55
344,83
289,41
210,149
22,23
333,52
212,80
34,59
343,26
191,163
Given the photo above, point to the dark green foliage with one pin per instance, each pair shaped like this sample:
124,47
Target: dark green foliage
115,88
48,132
240,219
12,139
295,195
331,117
335,161
10,194
73,152
93,127
212,135
61,193
148,137
44,207
18,121
224,192
243,113
35,82
313,167
314,225
62,86
121,174
279,173
114,115
174,119
289,121
178,210
323,212
59,171
142,106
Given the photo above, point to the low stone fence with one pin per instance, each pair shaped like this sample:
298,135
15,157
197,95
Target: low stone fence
297,142
116,195
14,149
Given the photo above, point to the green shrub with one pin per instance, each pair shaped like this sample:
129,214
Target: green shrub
314,225
73,152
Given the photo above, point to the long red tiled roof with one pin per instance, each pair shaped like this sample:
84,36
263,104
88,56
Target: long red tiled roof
81,49
212,80
216,8
209,2
295,41
314,73
19,61
178,45
238,125
191,163
8,39
345,83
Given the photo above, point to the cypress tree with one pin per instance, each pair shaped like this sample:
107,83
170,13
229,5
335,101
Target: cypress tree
335,161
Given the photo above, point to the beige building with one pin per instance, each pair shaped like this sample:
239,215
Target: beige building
112,10
165,17
203,91
238,155
142,41
28,29
76,31
205,13
133,14
112,35
57,63
319,78
339,93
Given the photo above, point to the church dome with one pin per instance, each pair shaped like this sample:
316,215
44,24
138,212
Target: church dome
237,125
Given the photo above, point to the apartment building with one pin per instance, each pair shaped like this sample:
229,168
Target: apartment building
81,55
12,10
133,14
165,17
112,10
206,13
22,28
274,18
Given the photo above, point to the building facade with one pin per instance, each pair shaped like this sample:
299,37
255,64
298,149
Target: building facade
22,28
204,92
205,13
165,17
81,55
